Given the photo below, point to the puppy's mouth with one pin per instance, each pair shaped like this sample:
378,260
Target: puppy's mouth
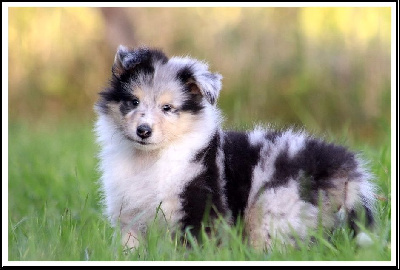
145,145
138,141
142,142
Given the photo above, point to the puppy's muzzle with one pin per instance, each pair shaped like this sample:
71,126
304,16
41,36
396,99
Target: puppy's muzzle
144,131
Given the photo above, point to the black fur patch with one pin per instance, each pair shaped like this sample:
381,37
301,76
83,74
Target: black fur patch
193,100
202,197
114,93
319,162
185,74
240,159
323,160
192,104
365,215
139,62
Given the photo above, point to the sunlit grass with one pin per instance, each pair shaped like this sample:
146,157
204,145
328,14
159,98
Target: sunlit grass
54,211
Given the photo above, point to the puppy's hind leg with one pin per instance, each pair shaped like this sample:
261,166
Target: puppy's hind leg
342,176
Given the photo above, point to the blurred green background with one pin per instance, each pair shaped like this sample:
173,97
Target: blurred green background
327,69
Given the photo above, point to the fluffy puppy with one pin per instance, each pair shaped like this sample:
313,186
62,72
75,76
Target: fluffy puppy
163,150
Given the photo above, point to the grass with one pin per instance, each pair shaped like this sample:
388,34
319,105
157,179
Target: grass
54,212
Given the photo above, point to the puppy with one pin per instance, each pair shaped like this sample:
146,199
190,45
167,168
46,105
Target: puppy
163,151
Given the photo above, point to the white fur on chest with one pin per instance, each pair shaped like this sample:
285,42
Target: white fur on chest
135,183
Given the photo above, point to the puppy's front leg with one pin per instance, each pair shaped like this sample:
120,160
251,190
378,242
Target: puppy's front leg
129,238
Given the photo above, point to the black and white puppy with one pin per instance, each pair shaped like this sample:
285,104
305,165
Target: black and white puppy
163,149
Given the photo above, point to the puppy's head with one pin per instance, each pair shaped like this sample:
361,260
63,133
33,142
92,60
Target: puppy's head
153,100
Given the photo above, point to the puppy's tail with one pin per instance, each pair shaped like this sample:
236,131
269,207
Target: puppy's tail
343,180
359,202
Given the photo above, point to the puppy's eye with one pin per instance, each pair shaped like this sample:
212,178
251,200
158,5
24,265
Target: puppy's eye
135,102
166,108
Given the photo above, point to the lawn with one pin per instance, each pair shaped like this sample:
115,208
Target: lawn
54,211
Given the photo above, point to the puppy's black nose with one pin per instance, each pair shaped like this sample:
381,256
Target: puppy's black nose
143,131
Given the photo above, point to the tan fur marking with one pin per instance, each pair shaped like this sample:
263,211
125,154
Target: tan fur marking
138,92
166,97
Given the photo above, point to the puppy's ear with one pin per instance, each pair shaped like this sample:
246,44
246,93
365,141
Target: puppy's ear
209,85
201,81
126,59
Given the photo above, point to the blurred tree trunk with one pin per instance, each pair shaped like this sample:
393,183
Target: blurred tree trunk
119,28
